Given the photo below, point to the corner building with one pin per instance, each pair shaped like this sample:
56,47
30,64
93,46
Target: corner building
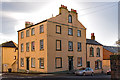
53,45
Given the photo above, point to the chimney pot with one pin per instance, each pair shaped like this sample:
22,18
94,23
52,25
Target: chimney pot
27,24
74,10
92,36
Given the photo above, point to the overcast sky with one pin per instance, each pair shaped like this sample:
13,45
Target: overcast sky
100,18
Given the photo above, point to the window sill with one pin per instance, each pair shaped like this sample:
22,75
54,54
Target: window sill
70,34
91,56
58,67
98,69
41,49
97,56
41,32
33,50
78,36
58,32
79,50
32,67
58,50
70,50
79,66
41,68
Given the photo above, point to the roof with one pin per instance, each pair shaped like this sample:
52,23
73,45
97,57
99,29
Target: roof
9,44
112,49
93,42
32,25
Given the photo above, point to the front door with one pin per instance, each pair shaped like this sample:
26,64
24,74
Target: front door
70,62
27,63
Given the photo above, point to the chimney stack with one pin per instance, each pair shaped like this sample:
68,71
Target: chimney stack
27,24
74,11
62,9
92,36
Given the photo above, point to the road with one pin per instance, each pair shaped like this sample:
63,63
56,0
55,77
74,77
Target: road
53,77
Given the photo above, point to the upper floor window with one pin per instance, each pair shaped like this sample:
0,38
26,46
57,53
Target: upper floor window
22,35
98,64
41,63
79,33
98,52
58,62
27,33
22,47
69,19
79,46
91,52
58,45
33,46
79,61
33,62
58,29
70,46
70,31
41,29
41,44
27,46
32,31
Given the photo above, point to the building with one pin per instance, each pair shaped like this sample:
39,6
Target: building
9,55
107,51
53,45
94,55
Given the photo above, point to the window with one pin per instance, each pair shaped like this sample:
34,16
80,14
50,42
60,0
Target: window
41,29
27,46
41,61
58,29
79,61
58,62
32,31
33,62
22,35
41,44
22,47
69,19
98,64
58,45
79,33
88,63
33,46
70,31
70,46
27,33
79,46
98,52
91,52
22,62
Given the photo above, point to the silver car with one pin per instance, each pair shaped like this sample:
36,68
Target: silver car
84,71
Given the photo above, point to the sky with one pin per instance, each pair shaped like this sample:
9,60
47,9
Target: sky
98,16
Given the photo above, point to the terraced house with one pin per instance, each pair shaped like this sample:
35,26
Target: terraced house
53,45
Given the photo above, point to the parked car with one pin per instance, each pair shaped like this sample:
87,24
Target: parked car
84,71
109,72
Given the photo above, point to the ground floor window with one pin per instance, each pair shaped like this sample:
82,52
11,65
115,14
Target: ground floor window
32,62
88,63
58,62
41,62
22,62
79,61
98,64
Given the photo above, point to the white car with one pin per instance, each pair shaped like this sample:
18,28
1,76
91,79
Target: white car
84,71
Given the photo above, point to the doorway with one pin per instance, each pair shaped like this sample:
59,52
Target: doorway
70,62
27,63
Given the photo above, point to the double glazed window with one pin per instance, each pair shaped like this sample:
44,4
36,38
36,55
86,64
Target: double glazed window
58,29
98,64
98,52
27,33
32,31
58,45
41,29
79,61
27,46
69,19
70,46
22,62
58,62
91,52
79,33
41,63
70,31
41,44
22,35
22,47
33,45
32,62
79,46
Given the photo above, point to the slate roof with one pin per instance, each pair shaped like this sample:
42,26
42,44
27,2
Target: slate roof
93,42
112,49
8,44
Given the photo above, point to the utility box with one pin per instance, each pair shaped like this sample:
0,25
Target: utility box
115,67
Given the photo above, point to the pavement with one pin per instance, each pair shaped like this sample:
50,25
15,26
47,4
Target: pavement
20,76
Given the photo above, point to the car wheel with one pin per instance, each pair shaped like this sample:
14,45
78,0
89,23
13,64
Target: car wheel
92,74
84,74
